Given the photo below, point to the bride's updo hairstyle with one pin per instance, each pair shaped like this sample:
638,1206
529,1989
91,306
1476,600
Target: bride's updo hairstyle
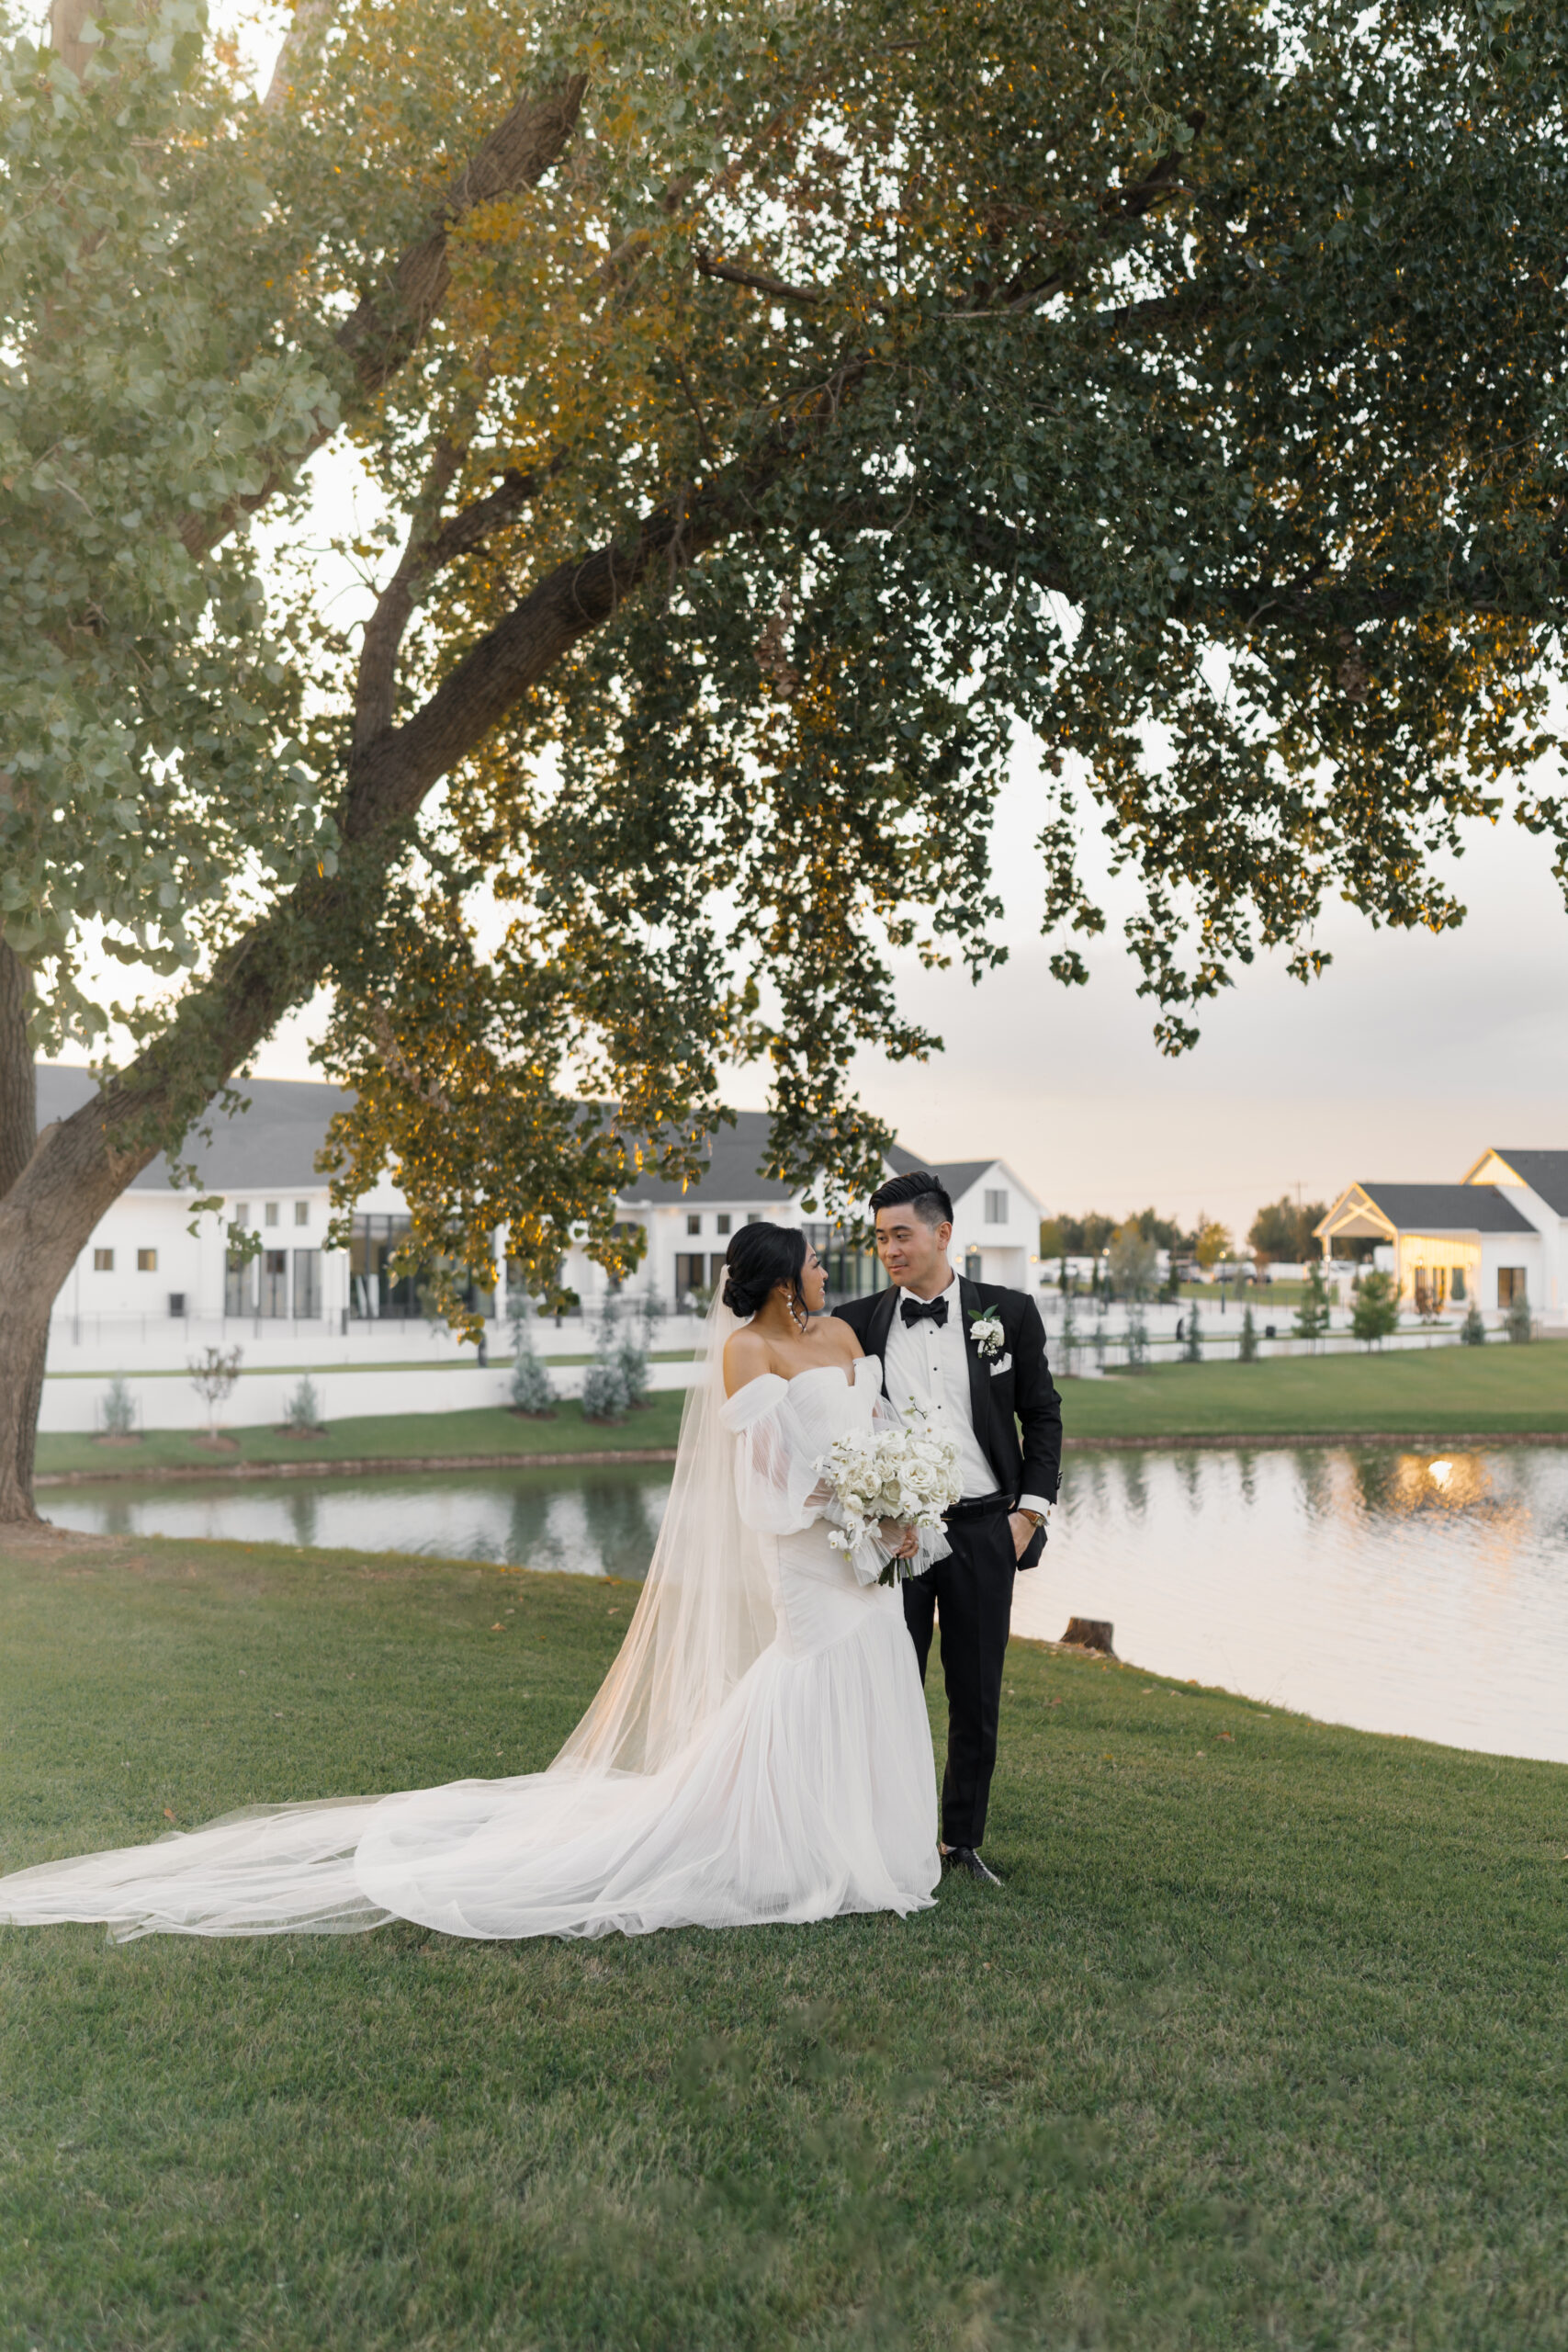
759,1258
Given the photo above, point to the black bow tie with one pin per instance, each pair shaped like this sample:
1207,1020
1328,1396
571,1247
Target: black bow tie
915,1310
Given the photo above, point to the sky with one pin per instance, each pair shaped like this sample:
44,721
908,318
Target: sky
1410,1058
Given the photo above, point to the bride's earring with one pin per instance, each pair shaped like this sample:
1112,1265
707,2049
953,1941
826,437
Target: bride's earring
798,1315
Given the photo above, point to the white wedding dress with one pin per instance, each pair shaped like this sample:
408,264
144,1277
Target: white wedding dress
759,1752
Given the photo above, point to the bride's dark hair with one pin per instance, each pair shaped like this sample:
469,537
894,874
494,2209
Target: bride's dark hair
758,1259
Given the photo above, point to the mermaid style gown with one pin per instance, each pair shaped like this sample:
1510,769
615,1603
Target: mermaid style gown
808,1791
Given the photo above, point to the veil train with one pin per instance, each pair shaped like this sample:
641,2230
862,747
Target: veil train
543,1853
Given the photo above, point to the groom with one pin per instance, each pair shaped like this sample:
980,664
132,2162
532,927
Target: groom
972,1357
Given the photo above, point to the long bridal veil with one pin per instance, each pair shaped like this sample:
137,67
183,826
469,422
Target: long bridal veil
532,1854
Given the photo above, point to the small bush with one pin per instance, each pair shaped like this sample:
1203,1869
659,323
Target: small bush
631,1362
119,1410
1375,1315
1517,1323
302,1414
1472,1330
1248,1351
1192,1346
1137,1339
604,1396
533,1391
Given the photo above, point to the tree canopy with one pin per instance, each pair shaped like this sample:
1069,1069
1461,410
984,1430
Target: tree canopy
767,413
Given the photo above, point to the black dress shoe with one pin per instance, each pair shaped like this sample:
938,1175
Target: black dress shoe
964,1857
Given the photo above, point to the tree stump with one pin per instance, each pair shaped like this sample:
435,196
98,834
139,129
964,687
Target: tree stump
1091,1633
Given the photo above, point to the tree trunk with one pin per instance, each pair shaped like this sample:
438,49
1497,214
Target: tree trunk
21,1355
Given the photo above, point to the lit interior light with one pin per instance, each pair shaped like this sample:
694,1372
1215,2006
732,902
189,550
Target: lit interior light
1442,1471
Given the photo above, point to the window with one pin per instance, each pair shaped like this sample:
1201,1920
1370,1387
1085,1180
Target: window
271,1213
1459,1292
239,1287
691,1275
103,1261
693,1225
274,1282
722,1222
301,1212
307,1285
753,1216
716,1270
1510,1284
996,1208
147,1261
973,1269
242,1212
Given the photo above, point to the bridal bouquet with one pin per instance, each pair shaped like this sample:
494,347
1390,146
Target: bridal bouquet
908,1474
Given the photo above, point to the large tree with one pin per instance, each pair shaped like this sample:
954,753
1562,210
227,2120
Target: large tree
764,412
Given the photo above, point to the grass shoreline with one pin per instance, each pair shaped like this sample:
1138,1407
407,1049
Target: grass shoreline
1263,2044
1437,1396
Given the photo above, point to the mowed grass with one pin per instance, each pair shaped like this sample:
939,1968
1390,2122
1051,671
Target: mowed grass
1471,1391
1264,2043
1493,1390
381,1437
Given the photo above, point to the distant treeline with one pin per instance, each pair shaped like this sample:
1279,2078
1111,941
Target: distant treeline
1280,1230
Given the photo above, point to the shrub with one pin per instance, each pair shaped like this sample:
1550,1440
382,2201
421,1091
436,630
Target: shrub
1313,1316
1472,1330
1375,1315
1517,1323
302,1414
630,1359
1192,1345
119,1410
604,1395
1137,1339
533,1391
1248,1351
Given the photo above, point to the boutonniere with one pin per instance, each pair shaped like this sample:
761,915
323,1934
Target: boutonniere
986,1330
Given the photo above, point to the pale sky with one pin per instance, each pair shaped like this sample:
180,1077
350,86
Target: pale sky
1410,1058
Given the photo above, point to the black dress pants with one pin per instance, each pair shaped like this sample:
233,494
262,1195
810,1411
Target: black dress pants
970,1594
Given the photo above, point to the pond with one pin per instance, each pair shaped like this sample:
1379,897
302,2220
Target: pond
1413,1592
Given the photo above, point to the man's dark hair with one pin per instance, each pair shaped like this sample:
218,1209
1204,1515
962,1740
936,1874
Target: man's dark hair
919,1192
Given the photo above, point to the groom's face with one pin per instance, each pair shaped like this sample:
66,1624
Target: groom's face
914,1253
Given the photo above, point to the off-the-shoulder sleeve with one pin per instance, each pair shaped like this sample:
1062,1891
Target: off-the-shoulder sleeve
774,1469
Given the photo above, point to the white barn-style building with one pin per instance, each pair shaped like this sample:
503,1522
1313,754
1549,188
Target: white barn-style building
157,1277
1498,1235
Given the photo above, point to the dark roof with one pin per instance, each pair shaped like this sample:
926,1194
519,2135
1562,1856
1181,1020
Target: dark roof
270,1147
955,1176
734,1173
1546,1173
1446,1208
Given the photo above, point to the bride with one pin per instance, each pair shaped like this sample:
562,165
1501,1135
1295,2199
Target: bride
759,1751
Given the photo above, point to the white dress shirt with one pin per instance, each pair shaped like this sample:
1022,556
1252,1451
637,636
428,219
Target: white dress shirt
927,1367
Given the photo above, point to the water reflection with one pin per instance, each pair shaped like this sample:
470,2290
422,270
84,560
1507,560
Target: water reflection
1402,1592
1418,1592
592,1522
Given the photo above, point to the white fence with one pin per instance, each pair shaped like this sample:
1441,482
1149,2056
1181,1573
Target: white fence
168,1402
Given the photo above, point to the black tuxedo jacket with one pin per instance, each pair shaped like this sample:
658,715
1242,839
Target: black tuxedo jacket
1017,1412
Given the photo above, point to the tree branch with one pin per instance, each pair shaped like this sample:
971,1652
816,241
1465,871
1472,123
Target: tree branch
388,326
758,282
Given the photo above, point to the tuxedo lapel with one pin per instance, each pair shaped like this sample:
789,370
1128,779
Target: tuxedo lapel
979,1379
878,1325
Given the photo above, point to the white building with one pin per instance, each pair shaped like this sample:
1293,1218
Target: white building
155,1276
1498,1235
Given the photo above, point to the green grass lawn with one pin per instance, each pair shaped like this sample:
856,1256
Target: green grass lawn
1426,1390
379,1437
1264,2043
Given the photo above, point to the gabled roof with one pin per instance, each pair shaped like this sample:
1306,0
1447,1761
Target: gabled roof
1443,1208
271,1148
734,1160
955,1176
1546,1173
